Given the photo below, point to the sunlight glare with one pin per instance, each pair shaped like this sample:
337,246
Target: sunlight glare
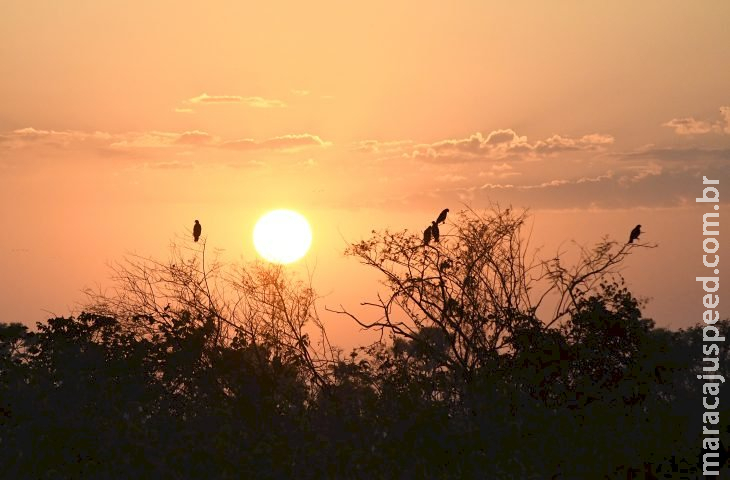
282,236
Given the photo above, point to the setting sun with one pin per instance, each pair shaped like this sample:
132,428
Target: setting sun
282,236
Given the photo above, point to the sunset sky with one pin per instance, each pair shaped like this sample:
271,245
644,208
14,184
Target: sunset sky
123,121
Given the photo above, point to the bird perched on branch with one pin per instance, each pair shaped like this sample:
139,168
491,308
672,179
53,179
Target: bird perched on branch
197,230
635,234
435,231
427,236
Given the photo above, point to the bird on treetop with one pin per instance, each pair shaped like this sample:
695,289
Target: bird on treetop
435,231
442,216
197,230
427,236
635,234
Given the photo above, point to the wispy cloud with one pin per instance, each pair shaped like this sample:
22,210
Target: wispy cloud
451,178
255,102
499,171
498,144
30,136
550,183
687,155
282,143
195,137
205,98
162,139
504,143
173,165
146,140
381,147
692,126
259,102
118,143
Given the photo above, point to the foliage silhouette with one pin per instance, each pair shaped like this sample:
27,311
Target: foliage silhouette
194,371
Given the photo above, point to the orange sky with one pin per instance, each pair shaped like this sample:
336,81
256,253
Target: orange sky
122,121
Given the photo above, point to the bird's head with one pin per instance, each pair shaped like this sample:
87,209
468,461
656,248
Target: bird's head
196,221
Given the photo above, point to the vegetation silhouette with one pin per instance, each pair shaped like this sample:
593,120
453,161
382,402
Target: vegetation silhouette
492,364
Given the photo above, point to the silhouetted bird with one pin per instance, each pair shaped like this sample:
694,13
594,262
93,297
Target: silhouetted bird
635,234
427,236
442,216
435,231
197,230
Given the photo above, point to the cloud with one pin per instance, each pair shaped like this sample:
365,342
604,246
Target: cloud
194,137
451,178
121,143
259,102
27,137
687,155
146,140
499,171
255,102
640,172
284,143
73,139
688,126
692,126
308,163
173,165
725,123
205,98
378,147
550,183
500,144
162,139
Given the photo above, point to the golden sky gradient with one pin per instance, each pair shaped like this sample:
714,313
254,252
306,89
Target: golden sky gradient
123,121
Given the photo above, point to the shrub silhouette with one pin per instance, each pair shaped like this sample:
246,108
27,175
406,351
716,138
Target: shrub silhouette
496,365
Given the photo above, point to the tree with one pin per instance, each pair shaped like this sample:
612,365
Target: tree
481,287
257,305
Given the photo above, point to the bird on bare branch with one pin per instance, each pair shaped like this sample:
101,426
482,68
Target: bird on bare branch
427,236
197,230
435,231
635,234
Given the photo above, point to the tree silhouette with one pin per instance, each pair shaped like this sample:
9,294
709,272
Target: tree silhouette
497,365
482,288
255,304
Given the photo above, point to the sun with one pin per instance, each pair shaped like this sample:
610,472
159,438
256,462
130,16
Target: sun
282,236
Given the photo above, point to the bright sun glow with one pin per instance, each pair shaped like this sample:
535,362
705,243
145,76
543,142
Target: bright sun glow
282,236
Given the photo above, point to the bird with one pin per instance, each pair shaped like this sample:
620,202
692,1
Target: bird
442,216
635,234
427,236
435,231
197,230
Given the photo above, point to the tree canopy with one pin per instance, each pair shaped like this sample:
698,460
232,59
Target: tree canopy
493,363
